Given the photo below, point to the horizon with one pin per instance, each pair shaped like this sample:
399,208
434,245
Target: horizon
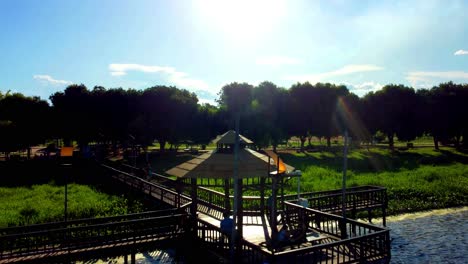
202,45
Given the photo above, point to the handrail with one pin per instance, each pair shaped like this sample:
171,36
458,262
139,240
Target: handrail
150,186
358,189
70,223
87,237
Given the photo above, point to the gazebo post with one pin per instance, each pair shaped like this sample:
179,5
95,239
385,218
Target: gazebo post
227,199
194,205
262,210
273,220
240,218
283,208
237,231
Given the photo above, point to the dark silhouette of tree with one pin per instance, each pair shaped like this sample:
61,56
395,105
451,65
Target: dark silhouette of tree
235,100
267,122
391,110
24,122
446,112
349,116
301,114
325,108
167,114
72,113
206,124
269,115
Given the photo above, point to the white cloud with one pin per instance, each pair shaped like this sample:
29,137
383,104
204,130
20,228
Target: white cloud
461,52
122,68
118,73
277,61
421,79
363,88
47,79
171,74
348,69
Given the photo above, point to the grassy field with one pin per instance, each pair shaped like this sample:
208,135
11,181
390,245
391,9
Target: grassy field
45,203
416,179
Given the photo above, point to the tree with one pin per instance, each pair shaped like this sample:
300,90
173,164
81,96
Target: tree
391,110
268,115
325,108
235,100
72,113
206,124
25,121
167,113
349,116
446,112
301,121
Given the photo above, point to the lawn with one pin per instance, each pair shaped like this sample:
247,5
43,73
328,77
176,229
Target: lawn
416,179
45,203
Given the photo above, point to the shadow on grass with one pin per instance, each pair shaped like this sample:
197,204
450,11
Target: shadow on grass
161,162
374,160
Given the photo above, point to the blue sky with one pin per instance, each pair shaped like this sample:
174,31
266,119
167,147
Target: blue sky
202,45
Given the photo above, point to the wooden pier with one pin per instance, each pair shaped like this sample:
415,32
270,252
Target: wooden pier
327,238
78,239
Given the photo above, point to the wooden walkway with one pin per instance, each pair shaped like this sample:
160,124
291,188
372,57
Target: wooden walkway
57,242
329,238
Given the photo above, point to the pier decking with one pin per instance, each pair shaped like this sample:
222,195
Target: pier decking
327,238
62,241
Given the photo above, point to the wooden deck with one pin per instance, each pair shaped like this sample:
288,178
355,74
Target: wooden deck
55,242
329,238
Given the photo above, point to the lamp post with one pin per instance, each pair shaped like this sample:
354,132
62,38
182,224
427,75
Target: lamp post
343,194
66,153
236,218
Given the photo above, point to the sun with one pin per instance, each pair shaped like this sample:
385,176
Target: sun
242,19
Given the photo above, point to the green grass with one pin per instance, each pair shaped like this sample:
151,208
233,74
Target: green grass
45,203
417,179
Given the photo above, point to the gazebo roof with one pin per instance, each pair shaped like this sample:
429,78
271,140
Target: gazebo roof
221,165
229,138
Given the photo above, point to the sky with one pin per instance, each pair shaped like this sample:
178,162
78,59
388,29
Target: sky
202,45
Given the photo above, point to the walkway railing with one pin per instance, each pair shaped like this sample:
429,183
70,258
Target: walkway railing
365,243
212,202
361,197
354,241
88,235
158,191
347,240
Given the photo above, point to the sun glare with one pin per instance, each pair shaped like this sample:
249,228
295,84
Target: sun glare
242,19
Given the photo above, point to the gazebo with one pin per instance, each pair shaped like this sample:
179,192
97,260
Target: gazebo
256,171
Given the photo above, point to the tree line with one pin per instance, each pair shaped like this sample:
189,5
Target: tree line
269,115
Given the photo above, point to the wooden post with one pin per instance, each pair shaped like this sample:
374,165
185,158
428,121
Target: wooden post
384,209
369,214
343,191
194,205
240,222
384,217
237,194
273,209
227,199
